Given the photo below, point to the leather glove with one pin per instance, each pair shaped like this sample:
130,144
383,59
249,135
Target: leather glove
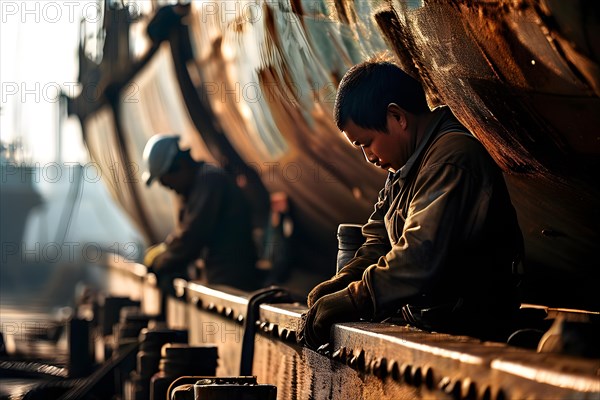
338,282
340,306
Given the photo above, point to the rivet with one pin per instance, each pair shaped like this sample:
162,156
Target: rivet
444,383
487,393
196,302
491,393
468,390
429,378
373,366
416,376
229,312
291,336
211,307
394,370
359,361
405,373
349,357
500,395
323,349
379,368
283,333
453,388
339,354
352,362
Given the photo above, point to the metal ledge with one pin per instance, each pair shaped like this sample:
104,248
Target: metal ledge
226,301
455,366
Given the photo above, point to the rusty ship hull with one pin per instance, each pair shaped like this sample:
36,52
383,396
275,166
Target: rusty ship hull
250,86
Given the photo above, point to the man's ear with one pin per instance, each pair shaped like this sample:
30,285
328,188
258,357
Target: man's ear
398,114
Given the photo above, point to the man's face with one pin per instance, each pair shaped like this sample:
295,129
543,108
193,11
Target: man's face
387,150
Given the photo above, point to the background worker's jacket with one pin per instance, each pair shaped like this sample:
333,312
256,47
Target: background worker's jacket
215,224
443,234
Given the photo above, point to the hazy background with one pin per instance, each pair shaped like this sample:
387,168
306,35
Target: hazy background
38,55
38,58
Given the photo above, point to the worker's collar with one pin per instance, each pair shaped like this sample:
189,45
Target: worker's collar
439,115
193,170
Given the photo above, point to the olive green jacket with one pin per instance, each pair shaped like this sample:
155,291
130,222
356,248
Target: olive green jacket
443,230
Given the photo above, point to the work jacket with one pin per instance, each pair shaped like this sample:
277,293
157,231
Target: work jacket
443,232
214,225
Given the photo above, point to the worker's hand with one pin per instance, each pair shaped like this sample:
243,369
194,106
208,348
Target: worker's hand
330,309
153,252
332,285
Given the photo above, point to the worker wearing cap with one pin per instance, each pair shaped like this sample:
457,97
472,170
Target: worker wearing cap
214,221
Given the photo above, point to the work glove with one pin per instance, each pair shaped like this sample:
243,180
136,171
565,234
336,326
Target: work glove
338,282
346,305
153,252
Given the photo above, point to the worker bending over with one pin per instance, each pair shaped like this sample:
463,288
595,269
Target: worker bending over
214,221
440,245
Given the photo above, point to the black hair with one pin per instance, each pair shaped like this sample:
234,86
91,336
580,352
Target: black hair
368,88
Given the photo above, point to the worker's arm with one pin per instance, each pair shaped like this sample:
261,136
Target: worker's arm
376,244
201,214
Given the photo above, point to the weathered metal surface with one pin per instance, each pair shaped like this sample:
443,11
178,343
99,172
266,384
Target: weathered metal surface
126,278
300,373
367,360
217,319
519,76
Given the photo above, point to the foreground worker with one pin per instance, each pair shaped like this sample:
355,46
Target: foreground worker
214,220
442,241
